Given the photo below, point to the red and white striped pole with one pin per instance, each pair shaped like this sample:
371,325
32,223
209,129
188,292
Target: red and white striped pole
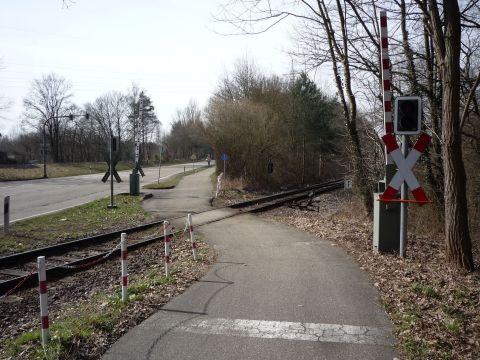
42,285
167,249
192,236
124,264
387,80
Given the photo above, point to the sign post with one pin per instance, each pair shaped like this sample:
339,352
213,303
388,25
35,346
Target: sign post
193,157
224,158
403,204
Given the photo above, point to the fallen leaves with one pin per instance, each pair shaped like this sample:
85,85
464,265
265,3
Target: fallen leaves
435,309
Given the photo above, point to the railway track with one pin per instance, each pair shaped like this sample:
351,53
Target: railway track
66,258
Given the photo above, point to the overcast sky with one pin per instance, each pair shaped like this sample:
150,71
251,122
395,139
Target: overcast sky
168,47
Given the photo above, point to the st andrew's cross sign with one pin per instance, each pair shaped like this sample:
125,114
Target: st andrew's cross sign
405,165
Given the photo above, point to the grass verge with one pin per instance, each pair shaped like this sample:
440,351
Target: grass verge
173,180
81,221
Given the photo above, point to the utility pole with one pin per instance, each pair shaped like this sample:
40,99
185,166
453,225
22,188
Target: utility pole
160,164
44,151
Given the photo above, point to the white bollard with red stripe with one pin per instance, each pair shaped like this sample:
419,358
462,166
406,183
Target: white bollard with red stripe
124,264
192,236
167,248
42,285
387,79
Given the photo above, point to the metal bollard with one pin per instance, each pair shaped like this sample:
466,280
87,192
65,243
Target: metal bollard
124,264
167,248
42,285
6,214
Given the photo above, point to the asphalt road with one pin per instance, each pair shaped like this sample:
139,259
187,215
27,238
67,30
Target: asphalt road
274,293
37,197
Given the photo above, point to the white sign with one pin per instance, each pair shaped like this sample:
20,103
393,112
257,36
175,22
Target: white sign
347,185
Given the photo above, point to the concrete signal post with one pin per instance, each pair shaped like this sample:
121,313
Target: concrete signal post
134,176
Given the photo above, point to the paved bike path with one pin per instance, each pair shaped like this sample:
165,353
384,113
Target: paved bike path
274,293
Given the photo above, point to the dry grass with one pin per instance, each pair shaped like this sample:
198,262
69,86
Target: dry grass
29,172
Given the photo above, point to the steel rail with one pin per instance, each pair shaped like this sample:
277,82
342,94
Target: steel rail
59,271
56,249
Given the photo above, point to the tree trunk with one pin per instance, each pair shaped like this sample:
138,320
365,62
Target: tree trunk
457,234
435,175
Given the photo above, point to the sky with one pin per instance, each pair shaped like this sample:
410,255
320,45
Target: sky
170,48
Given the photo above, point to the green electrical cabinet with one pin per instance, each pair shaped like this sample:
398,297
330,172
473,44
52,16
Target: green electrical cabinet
386,223
134,184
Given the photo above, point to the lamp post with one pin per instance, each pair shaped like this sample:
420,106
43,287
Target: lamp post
70,116
44,151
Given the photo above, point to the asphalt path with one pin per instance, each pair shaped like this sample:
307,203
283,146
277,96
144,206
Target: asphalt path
192,195
274,293
37,197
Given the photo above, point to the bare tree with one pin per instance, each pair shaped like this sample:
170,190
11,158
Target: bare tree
5,103
48,98
109,114
187,135
329,41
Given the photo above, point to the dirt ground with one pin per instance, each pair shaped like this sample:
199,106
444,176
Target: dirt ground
19,312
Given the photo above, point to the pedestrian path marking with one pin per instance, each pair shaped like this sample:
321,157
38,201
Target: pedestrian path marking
336,333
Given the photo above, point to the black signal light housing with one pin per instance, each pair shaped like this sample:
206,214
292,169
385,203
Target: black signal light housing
408,115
